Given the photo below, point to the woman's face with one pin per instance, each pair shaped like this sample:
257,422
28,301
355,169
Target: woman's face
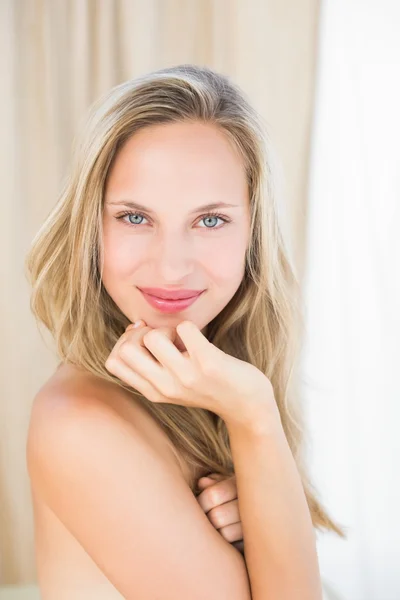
173,171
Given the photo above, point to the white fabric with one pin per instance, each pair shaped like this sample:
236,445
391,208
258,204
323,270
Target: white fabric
352,295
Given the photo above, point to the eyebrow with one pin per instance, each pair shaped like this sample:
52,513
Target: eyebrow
141,207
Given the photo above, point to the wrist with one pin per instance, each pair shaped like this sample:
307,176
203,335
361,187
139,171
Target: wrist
259,418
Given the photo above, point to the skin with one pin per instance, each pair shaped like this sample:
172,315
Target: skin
173,170
217,491
204,376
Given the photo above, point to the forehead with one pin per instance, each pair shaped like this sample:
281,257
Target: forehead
178,158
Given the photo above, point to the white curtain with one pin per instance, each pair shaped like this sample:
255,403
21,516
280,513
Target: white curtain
352,294
55,59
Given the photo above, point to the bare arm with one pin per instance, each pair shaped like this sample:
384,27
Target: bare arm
279,540
129,508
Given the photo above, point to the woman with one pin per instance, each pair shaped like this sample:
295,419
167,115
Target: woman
171,195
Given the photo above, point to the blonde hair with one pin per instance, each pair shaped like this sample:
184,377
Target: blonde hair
262,323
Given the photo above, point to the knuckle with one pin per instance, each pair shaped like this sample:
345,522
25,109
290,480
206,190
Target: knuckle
123,350
171,389
210,367
218,516
189,378
231,534
110,364
214,495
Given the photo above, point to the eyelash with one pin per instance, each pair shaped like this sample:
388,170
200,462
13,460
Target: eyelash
210,214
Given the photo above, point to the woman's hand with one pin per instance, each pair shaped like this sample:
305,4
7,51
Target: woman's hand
200,376
219,501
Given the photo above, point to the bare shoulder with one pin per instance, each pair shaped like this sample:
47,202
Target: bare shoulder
78,393
126,504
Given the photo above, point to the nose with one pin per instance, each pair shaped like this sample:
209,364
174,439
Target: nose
173,257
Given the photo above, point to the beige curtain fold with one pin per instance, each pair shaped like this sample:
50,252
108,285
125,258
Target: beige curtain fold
57,56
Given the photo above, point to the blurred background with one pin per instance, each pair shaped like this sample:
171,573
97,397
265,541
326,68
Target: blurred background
325,76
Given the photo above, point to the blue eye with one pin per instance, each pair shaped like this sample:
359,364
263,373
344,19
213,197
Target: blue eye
135,215
211,216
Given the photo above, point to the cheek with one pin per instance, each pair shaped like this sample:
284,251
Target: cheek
225,264
122,255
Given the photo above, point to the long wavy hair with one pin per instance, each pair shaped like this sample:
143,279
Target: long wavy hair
263,323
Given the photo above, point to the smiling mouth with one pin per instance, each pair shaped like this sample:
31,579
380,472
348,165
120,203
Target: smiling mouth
170,305
171,295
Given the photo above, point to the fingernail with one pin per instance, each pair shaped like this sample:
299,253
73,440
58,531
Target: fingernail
205,480
138,324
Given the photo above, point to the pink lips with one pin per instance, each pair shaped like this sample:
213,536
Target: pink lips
165,294
168,305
